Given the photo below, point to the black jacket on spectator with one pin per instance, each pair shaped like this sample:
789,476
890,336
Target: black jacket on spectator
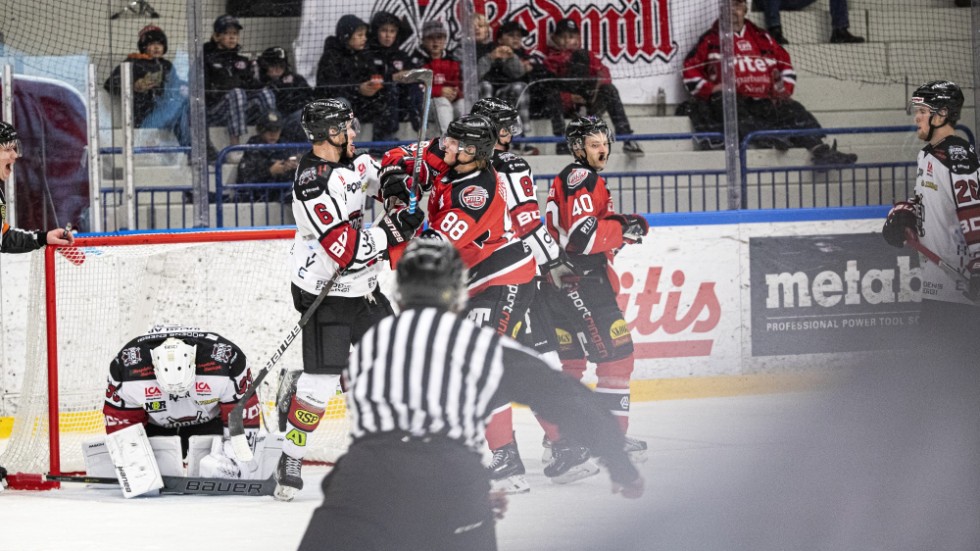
292,91
144,65
390,60
342,70
226,69
255,163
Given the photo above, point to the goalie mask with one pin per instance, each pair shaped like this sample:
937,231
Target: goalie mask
175,365
431,273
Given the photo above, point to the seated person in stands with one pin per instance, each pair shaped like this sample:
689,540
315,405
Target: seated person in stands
262,166
346,71
838,19
232,93
505,71
385,38
587,84
765,80
292,92
159,96
447,96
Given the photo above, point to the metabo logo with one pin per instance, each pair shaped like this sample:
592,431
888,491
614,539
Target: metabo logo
848,286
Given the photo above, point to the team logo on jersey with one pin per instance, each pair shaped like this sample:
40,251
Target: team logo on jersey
576,177
202,387
221,352
957,153
152,392
131,356
156,406
187,421
928,169
474,197
240,65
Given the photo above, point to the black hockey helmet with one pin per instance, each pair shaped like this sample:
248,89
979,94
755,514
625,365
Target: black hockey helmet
936,95
9,137
475,132
323,116
431,273
273,56
500,113
581,127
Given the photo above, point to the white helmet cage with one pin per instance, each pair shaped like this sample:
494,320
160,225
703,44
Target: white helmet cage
175,365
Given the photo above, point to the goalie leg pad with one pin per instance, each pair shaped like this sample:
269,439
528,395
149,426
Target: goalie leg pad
167,452
198,448
97,460
132,455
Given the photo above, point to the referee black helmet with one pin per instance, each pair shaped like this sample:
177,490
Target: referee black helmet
431,273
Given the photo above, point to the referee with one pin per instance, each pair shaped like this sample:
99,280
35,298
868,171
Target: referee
421,387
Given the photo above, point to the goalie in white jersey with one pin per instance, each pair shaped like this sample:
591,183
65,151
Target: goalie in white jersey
944,214
332,250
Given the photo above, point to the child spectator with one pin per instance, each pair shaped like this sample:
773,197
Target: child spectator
589,84
292,91
386,36
159,96
232,93
346,70
260,166
505,70
482,35
447,101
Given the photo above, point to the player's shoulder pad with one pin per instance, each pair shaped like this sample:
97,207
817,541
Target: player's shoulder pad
133,363
576,176
508,163
474,193
311,177
957,155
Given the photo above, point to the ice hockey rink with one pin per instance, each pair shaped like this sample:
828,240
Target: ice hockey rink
883,459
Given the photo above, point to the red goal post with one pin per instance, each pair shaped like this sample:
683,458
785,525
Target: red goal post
86,302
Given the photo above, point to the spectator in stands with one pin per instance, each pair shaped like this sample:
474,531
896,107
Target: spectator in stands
588,84
482,35
159,96
505,71
765,80
232,93
838,19
346,70
292,91
261,166
385,38
447,97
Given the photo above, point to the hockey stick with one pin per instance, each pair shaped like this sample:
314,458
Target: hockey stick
912,240
236,423
425,77
189,485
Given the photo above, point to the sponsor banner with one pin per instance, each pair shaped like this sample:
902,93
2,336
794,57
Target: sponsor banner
836,293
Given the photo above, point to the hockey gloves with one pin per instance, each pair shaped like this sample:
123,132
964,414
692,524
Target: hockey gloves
973,272
559,272
400,225
634,227
901,217
395,183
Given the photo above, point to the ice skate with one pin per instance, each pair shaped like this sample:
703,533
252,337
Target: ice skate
289,478
507,470
636,450
569,462
546,454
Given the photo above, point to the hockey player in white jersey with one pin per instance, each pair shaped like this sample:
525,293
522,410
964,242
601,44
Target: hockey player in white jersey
332,249
944,213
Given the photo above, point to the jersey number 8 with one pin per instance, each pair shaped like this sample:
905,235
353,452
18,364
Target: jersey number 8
452,226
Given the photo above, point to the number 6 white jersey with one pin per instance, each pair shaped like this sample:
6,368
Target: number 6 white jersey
328,204
946,186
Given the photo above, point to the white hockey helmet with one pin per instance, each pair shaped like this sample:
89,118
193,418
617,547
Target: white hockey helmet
174,364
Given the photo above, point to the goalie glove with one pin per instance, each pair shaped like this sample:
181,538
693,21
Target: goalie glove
395,183
904,215
635,227
222,463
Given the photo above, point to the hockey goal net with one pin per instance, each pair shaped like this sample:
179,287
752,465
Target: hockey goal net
88,301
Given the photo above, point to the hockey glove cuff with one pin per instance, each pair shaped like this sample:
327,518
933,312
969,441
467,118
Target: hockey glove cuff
634,226
559,271
901,217
399,226
395,183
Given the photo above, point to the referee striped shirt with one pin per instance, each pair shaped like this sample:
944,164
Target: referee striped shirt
425,372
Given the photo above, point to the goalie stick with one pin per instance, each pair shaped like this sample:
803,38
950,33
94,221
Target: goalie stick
188,485
236,424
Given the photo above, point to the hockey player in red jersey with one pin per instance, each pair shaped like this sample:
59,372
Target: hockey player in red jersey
944,214
506,468
590,326
182,381
332,249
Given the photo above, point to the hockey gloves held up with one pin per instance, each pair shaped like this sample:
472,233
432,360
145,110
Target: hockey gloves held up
395,183
400,225
901,217
635,227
